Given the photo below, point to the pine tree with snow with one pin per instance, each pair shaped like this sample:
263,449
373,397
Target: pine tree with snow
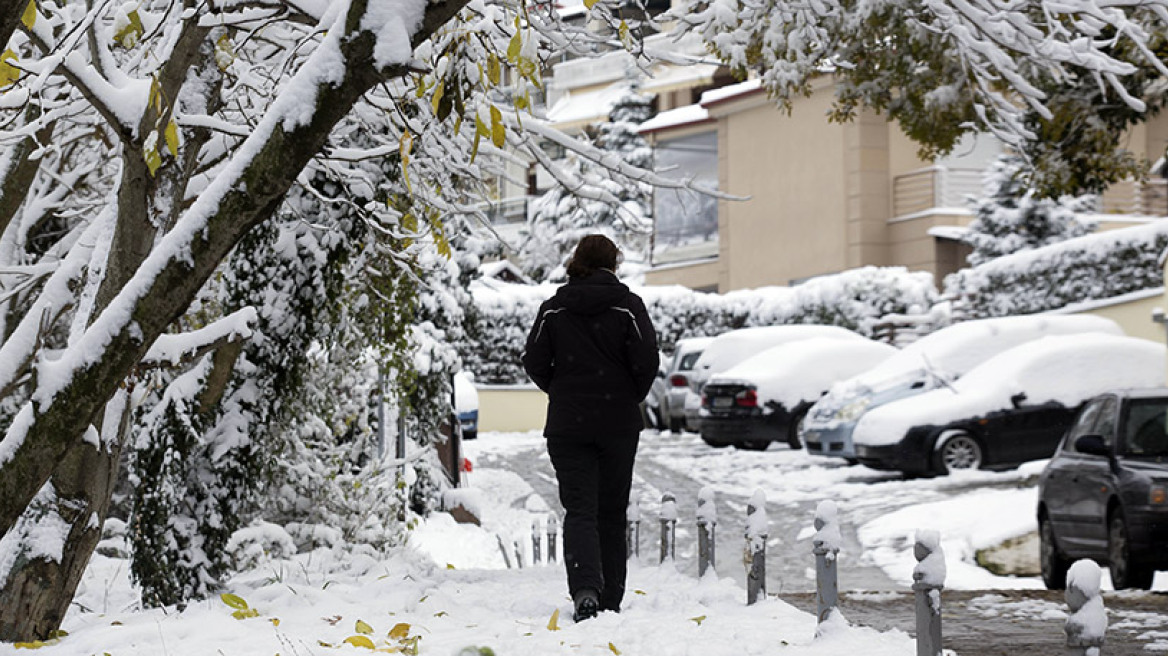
560,217
1011,218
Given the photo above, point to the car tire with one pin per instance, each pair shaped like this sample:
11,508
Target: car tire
752,445
793,430
957,450
716,445
852,462
1124,573
1053,563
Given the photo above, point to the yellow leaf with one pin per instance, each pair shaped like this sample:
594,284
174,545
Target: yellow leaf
360,641
441,613
437,97
275,621
224,52
364,628
498,132
516,45
449,566
613,649
30,14
589,4
133,30
399,630
244,614
35,644
493,73
554,622
474,151
171,135
234,601
153,161
9,74
625,37
699,619
640,592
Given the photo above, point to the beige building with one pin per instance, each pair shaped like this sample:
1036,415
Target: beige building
822,197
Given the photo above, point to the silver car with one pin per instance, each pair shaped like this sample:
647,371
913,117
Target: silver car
677,381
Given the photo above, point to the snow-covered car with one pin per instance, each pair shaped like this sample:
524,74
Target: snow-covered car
764,398
1013,408
928,363
730,348
466,404
685,356
1104,494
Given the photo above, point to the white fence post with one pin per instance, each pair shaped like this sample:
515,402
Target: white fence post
826,546
928,581
707,517
668,526
757,527
1086,625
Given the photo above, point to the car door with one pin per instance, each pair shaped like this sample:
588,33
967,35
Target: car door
1045,426
1060,484
1093,484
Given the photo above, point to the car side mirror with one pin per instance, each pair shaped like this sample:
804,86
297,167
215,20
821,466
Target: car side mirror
1018,399
1092,445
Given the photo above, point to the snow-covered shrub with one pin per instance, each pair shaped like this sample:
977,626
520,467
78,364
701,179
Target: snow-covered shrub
854,299
1096,266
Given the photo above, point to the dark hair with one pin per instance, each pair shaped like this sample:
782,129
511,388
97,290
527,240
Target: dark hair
594,252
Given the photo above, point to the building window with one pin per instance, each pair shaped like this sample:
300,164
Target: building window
686,222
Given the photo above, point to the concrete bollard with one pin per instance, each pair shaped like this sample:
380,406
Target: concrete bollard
536,530
757,527
503,550
1086,625
668,526
552,530
518,554
707,521
826,546
633,529
928,581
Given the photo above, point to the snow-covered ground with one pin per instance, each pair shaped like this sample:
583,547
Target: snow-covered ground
450,588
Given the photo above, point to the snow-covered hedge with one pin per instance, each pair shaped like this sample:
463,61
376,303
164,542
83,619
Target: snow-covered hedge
1097,266
854,299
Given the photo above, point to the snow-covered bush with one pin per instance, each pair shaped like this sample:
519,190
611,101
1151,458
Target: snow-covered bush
854,299
1096,266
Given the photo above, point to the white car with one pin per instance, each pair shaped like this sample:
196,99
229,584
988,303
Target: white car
685,356
928,363
1013,408
763,399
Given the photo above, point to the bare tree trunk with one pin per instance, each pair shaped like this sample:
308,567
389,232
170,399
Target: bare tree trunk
10,13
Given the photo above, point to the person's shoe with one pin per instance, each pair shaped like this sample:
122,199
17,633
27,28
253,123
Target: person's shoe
587,605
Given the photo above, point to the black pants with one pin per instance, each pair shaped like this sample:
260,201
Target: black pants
595,476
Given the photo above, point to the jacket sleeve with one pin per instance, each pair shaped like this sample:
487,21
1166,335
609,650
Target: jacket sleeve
641,347
537,354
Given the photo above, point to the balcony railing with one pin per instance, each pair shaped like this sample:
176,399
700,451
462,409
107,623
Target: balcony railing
939,187
934,187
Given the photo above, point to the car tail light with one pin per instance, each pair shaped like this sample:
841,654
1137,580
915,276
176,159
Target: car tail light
678,380
1158,495
705,401
747,398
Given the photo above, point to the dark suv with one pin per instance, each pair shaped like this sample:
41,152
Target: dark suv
1104,494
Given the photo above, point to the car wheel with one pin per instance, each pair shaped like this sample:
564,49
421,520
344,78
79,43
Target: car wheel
793,430
716,445
1054,564
852,462
1124,573
958,450
752,445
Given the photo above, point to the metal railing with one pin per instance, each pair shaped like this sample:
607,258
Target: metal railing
934,187
1148,198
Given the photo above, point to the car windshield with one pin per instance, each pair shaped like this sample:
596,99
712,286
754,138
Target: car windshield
1146,432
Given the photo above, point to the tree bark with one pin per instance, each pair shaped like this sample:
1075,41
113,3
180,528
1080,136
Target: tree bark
159,293
10,13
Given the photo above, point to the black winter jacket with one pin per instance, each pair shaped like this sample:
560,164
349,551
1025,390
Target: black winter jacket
594,351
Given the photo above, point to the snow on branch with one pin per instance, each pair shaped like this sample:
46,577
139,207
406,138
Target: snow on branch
173,349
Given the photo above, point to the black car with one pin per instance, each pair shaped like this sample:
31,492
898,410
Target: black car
998,440
1104,495
732,414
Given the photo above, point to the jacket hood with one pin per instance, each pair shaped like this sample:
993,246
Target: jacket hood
592,294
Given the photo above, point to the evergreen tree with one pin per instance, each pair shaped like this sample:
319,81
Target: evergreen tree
1010,217
560,218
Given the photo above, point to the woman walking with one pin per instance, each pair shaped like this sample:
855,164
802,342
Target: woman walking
594,351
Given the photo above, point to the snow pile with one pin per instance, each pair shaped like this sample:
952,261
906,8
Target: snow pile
801,371
827,539
1065,369
855,299
1087,623
735,347
1097,266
